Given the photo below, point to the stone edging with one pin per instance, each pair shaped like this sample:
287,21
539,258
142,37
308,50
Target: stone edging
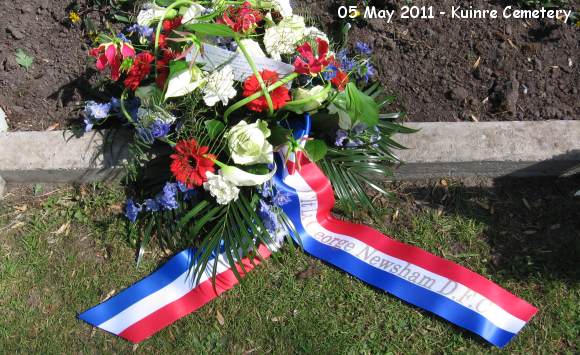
490,149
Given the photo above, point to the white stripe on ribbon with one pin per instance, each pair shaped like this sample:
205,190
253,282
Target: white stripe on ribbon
459,294
180,287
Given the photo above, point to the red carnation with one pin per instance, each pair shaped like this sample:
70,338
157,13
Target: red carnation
307,63
241,19
170,25
191,162
139,70
279,96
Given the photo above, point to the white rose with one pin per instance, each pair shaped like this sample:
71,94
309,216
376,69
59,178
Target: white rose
220,188
248,143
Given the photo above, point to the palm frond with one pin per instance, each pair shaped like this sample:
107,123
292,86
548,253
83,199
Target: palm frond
234,229
352,169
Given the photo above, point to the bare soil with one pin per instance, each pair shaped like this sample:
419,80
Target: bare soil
447,69
46,95
441,69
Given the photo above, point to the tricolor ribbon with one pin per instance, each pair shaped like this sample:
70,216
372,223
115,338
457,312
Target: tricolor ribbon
427,281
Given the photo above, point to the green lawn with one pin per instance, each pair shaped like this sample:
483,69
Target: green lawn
66,251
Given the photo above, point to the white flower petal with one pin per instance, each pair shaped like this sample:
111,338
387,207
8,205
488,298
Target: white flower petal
239,177
183,83
192,13
220,86
283,7
149,13
282,38
220,188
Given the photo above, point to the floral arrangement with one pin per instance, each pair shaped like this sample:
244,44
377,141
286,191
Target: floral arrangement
212,90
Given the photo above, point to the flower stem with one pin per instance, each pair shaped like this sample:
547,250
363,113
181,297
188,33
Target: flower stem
258,94
257,74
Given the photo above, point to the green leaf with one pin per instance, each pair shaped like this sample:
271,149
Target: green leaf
214,128
23,59
316,149
279,135
361,107
192,213
212,29
176,67
122,18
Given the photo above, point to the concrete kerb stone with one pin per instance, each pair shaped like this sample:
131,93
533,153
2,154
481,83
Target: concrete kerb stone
60,157
2,186
490,149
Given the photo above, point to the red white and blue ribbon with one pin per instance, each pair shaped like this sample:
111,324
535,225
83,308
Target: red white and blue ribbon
166,295
414,275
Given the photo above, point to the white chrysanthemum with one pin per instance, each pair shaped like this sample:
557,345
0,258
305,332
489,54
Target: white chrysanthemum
219,86
220,188
283,7
253,48
150,13
282,38
314,33
193,12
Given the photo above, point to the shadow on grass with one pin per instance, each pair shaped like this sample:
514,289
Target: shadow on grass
532,224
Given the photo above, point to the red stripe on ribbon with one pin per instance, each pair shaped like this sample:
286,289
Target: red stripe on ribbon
191,302
320,184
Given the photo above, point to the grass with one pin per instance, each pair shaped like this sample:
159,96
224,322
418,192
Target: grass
66,251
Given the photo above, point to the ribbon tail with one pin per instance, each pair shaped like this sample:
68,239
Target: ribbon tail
165,296
414,275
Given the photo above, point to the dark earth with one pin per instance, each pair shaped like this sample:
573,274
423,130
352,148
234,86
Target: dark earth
447,69
439,69
48,94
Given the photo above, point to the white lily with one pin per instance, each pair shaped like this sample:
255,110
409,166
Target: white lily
184,82
239,177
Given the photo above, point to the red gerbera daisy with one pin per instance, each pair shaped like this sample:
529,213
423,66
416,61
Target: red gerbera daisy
191,162
307,63
139,70
279,96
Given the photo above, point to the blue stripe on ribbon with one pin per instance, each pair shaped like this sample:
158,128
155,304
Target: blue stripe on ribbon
405,290
166,274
